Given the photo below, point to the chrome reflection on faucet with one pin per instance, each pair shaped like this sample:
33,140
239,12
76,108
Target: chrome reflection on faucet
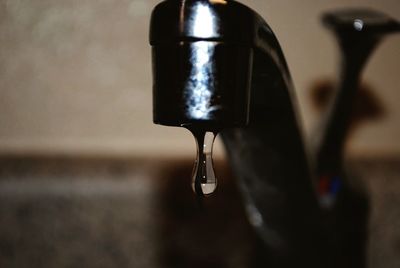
200,84
202,21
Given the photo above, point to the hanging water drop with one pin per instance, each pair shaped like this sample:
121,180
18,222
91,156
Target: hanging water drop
204,181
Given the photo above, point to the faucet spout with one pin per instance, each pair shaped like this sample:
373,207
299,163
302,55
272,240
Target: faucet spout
201,64
231,75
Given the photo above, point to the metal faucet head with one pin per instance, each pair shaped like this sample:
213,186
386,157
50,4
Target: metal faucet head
202,58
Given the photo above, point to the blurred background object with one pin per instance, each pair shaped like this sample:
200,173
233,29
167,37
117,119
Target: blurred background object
86,179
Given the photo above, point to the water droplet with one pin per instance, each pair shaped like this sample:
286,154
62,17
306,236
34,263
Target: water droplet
204,181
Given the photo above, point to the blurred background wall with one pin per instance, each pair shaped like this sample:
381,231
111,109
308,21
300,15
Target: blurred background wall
75,76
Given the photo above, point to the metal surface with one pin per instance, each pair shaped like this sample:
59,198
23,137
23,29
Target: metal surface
201,63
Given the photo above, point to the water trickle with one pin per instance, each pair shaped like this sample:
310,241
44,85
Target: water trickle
204,181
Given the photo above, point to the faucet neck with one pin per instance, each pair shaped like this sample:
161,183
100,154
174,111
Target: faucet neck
269,158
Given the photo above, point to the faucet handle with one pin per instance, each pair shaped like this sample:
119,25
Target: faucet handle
359,31
361,20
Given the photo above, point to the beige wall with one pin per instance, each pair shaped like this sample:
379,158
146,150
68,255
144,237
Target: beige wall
75,75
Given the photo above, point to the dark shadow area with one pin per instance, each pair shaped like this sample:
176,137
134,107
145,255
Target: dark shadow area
211,231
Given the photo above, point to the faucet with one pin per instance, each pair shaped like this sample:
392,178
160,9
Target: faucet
218,67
